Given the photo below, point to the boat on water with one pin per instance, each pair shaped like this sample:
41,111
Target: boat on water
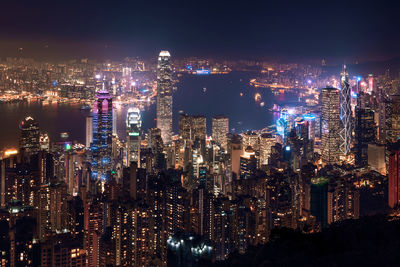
86,107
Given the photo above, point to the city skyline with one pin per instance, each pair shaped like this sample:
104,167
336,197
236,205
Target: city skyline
190,134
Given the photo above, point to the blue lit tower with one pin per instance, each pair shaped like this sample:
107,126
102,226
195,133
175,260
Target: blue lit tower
102,135
345,112
164,96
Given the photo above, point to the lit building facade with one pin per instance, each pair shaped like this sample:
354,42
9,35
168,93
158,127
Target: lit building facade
89,131
330,126
364,134
345,112
29,140
266,143
164,96
133,128
220,127
102,135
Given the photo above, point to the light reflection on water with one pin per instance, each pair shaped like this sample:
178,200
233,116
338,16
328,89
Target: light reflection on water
222,96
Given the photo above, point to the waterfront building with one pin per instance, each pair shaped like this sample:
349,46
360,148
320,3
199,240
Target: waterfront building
29,140
133,128
102,135
164,96
89,131
220,127
330,120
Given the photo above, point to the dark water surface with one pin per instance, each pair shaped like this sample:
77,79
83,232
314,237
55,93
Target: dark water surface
207,95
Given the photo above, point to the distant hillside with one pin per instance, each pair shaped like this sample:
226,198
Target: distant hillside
371,241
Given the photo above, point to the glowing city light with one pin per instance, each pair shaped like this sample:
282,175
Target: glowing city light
10,152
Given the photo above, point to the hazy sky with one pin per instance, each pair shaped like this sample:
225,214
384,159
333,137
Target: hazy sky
238,29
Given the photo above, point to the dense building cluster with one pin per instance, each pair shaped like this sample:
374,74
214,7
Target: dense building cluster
159,198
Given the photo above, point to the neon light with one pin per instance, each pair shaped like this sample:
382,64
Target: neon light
203,72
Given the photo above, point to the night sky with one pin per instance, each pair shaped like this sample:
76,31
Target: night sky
361,30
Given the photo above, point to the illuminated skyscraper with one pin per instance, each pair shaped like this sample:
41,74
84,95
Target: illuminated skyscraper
44,142
251,139
248,163
164,96
330,126
365,130
133,128
185,126
266,143
102,135
392,119
192,127
220,127
29,140
89,130
198,127
345,112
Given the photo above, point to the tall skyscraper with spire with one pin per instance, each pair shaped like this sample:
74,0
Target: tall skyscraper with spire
164,96
345,112
102,135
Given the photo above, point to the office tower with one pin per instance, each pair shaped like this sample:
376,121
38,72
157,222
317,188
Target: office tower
102,135
235,150
394,175
371,84
330,121
382,108
133,128
266,142
126,72
393,119
29,139
192,127
220,127
251,139
155,143
199,128
44,142
248,163
345,112
185,126
364,134
114,121
319,199
376,158
164,96
311,119
89,131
